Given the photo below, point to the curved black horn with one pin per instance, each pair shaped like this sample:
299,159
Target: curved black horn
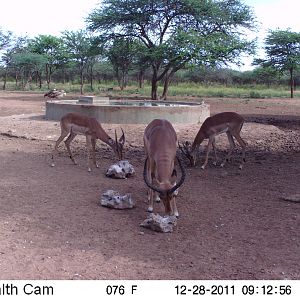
122,138
146,179
175,187
116,141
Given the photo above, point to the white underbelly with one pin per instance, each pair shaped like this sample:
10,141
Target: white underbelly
223,130
78,129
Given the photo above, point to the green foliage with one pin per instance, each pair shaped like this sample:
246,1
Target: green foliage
5,38
177,32
82,50
29,59
283,53
122,55
283,49
53,49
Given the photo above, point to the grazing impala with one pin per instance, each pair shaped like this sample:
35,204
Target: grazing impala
160,141
74,123
229,122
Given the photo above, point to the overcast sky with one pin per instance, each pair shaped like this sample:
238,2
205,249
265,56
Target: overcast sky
34,17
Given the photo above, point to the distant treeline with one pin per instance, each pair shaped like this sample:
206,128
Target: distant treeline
103,74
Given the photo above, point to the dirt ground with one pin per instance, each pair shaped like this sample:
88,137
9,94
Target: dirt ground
233,224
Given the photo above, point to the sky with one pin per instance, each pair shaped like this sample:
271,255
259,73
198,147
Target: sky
34,17
272,15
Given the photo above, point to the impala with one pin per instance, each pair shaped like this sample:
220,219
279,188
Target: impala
160,142
229,122
73,123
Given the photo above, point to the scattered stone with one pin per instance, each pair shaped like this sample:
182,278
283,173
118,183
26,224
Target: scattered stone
158,223
292,198
223,173
113,199
121,170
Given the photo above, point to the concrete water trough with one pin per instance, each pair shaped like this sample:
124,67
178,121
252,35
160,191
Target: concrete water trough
129,111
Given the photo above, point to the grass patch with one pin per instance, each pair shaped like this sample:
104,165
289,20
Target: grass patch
178,90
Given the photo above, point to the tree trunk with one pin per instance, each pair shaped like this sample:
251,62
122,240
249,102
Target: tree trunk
39,74
141,78
16,79
81,78
5,80
292,82
166,85
91,79
124,79
47,76
154,85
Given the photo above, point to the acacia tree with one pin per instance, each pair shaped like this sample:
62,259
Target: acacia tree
17,45
175,32
282,53
80,48
27,65
6,42
52,48
122,55
5,38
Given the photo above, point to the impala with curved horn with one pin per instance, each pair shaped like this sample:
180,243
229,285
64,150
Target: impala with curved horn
74,123
160,142
229,122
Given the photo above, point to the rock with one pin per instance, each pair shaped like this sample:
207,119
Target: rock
158,223
292,198
121,170
113,199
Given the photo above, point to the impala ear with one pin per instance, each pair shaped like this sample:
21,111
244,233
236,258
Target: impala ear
122,138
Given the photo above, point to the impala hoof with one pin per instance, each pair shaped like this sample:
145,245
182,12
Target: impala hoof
203,167
52,165
89,170
150,210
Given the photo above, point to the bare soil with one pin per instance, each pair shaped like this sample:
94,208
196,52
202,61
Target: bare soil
233,224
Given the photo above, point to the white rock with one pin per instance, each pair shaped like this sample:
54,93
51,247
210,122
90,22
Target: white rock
158,223
120,170
113,199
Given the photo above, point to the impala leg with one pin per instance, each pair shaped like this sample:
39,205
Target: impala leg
157,198
209,146
150,200
67,143
215,152
174,209
88,150
231,145
151,193
167,204
243,145
94,152
60,139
